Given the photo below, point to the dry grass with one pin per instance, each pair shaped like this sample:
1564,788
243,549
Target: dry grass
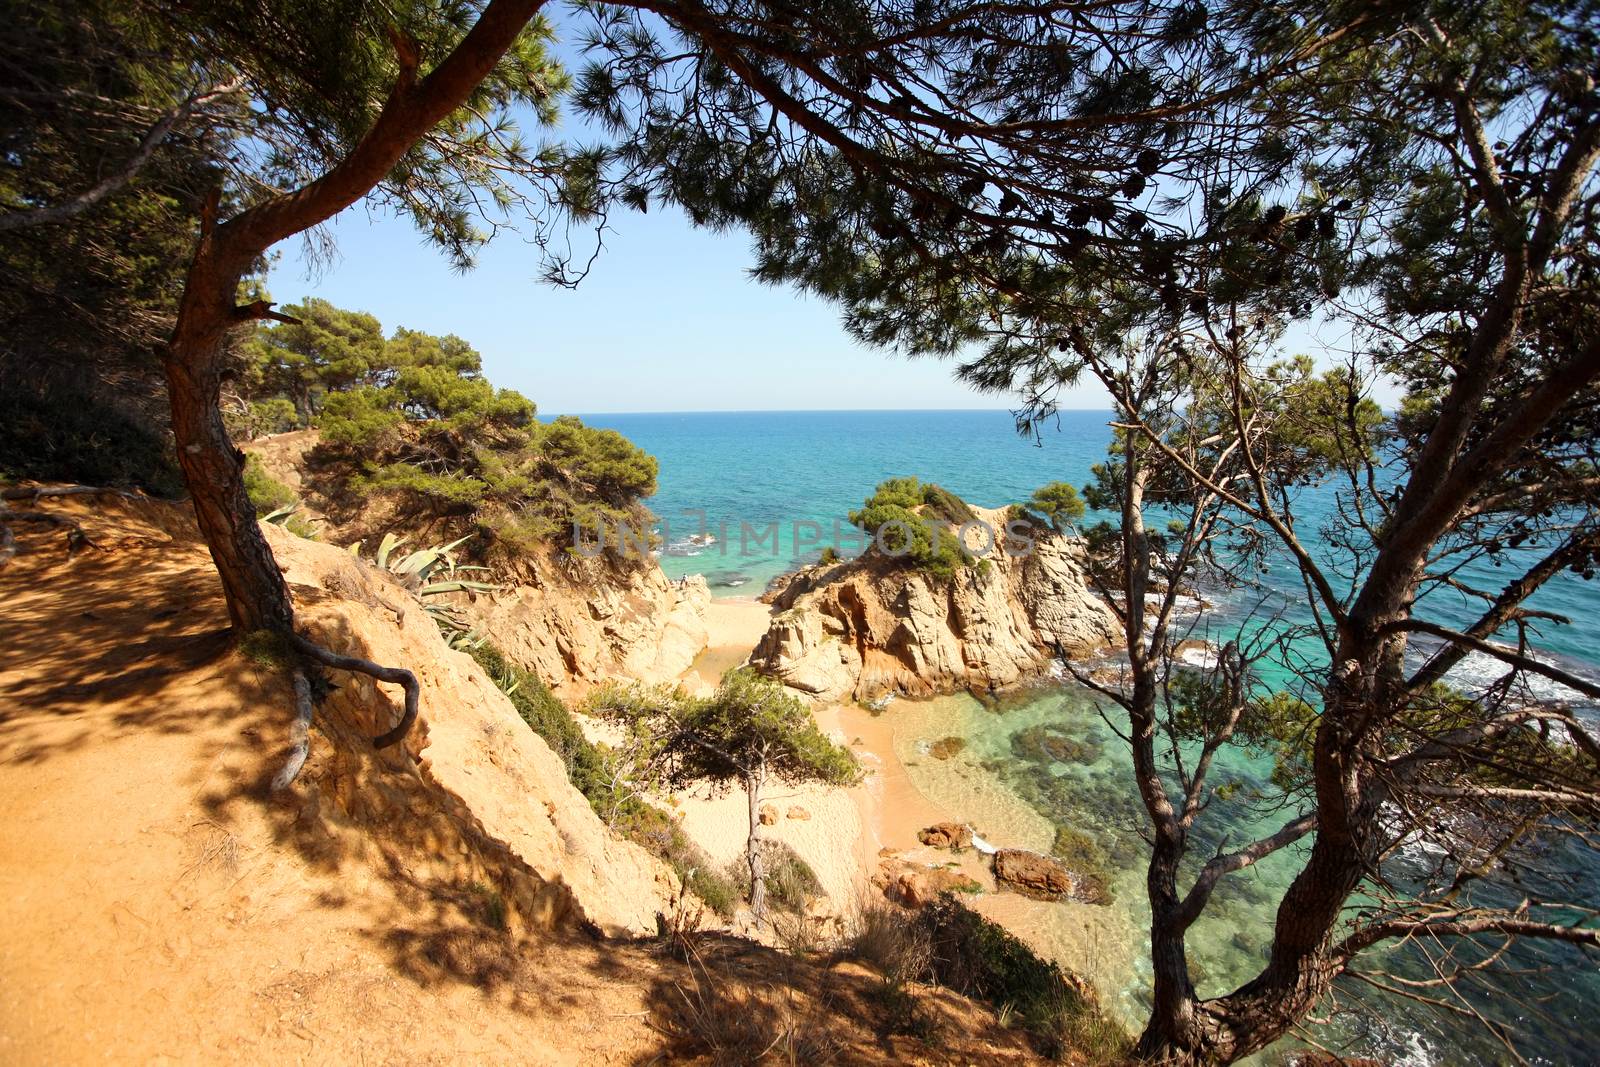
891,940
732,1022
217,850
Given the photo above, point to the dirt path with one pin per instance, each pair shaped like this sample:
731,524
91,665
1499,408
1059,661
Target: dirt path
159,907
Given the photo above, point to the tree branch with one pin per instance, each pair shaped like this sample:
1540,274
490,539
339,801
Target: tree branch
1488,648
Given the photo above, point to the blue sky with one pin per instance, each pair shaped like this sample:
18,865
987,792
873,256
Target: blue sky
667,321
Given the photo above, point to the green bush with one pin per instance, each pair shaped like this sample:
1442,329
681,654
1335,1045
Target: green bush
449,491
898,514
980,959
64,436
265,491
789,879
1059,503
360,418
645,825
260,417
660,835
549,718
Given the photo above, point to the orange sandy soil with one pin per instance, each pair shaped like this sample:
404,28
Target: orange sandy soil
159,906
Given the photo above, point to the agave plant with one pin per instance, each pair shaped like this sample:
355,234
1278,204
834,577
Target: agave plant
431,572
287,518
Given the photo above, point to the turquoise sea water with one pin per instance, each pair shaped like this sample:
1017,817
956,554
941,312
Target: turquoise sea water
749,471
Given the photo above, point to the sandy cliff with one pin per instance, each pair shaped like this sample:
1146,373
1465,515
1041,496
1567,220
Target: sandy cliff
572,621
865,627
431,903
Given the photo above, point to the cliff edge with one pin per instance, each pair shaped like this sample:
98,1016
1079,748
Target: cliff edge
857,629
572,621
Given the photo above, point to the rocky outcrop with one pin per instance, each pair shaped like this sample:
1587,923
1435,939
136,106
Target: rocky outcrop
1031,874
915,885
572,621
1045,878
576,623
861,628
950,835
484,797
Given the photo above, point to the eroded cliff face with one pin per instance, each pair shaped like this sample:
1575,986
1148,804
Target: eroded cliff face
862,628
573,621
577,622
482,794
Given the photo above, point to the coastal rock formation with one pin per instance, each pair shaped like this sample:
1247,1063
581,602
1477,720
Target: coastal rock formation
575,624
1046,878
572,621
1031,874
946,835
915,885
864,627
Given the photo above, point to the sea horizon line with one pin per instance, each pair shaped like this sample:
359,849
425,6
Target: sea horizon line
823,411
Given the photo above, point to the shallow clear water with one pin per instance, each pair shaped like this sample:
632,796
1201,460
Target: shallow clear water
782,468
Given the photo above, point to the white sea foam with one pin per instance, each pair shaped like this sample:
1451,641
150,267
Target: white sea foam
1204,658
1479,670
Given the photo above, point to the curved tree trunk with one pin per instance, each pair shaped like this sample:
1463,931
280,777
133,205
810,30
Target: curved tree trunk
213,469
752,852
1302,965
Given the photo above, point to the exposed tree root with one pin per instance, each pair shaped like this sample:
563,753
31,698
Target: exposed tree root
33,493
299,733
76,538
393,675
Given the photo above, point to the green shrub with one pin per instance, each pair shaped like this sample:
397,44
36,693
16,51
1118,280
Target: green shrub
447,491
64,436
259,417
265,491
941,503
660,835
549,718
360,418
829,557
980,959
789,879
1059,503
632,818
897,514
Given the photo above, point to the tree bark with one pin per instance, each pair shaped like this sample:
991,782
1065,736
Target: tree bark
213,469
754,784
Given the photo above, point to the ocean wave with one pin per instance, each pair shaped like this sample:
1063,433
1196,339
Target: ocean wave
1478,672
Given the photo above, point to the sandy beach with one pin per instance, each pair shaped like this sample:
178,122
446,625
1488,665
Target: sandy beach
841,833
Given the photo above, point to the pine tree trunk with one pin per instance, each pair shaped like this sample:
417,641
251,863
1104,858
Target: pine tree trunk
1172,1025
754,860
213,469
1301,969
